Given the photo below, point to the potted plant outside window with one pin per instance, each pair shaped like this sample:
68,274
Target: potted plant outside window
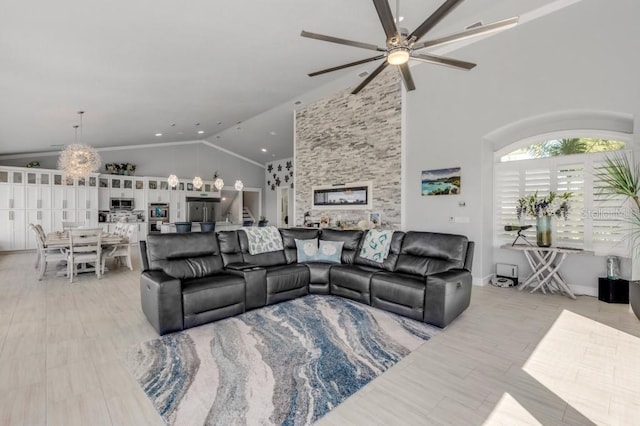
619,177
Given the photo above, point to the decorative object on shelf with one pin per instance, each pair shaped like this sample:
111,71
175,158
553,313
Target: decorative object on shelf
238,185
441,181
173,181
217,181
619,177
542,209
262,221
33,164
125,169
79,160
376,219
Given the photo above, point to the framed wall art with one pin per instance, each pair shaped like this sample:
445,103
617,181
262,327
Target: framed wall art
441,181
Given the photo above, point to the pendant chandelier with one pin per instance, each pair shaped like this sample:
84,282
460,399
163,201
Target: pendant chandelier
197,180
217,181
79,160
238,185
173,181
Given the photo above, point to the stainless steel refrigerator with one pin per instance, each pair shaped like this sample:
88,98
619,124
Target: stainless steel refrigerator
201,211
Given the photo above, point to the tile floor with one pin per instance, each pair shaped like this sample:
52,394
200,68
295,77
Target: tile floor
511,358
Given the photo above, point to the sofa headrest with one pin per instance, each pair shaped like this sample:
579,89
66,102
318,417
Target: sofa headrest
351,240
389,263
182,256
271,258
230,247
425,253
289,237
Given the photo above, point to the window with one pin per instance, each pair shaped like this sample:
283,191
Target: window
594,222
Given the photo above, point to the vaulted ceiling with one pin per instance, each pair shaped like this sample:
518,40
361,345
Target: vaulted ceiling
229,70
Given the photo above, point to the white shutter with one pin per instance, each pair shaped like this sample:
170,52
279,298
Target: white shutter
595,222
569,232
608,216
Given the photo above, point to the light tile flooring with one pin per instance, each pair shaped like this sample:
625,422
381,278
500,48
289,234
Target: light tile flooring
512,358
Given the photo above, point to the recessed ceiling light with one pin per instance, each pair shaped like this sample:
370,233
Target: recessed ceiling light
173,124
264,150
297,102
224,198
158,134
196,124
219,123
400,19
272,133
200,132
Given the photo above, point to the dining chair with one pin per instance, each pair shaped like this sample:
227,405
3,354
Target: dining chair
85,246
121,252
44,254
71,225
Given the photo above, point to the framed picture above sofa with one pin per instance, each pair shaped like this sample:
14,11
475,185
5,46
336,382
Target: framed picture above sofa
355,195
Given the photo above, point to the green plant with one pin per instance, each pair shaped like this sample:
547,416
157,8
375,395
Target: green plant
618,176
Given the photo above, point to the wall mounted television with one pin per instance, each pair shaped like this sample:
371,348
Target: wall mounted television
342,196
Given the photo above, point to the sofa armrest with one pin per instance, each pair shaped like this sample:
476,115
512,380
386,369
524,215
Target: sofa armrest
161,299
255,278
447,295
241,266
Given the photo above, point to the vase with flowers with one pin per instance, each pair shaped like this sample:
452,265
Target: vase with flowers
543,208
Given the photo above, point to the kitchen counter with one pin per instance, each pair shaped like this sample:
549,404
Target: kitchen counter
195,227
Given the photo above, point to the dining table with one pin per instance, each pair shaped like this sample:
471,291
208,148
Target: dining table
61,240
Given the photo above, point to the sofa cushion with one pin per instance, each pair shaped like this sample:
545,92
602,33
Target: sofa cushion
208,293
389,263
318,272
306,250
426,253
399,293
329,251
286,282
288,240
352,281
263,259
184,256
351,240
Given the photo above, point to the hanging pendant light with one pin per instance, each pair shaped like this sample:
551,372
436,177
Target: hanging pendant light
197,180
238,185
217,181
173,180
79,160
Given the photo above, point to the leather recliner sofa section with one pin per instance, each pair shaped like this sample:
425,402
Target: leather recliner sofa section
191,279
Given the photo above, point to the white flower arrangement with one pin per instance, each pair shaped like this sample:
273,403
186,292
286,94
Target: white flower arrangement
551,205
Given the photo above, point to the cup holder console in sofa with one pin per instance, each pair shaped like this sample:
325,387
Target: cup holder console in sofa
192,279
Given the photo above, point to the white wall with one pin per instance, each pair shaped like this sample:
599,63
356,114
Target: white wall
584,57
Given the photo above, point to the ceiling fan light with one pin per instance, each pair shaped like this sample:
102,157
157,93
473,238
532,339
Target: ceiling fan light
398,56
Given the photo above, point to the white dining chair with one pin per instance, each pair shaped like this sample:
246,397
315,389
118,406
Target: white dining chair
85,246
44,254
121,252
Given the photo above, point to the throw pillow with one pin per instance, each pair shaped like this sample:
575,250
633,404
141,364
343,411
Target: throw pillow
330,251
307,250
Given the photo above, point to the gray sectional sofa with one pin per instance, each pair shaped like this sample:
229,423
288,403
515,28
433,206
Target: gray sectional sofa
193,279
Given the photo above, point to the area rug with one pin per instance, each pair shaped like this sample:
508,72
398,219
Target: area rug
285,364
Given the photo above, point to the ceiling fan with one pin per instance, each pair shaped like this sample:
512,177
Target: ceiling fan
402,46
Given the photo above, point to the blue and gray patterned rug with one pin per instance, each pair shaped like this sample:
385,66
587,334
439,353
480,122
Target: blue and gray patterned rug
289,363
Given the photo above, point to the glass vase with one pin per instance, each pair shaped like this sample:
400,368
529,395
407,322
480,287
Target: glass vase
543,231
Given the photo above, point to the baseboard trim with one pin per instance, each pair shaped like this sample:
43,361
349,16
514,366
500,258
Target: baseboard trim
480,281
583,290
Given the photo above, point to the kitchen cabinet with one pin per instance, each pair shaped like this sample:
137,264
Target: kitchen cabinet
177,206
158,191
13,230
121,187
12,192
42,217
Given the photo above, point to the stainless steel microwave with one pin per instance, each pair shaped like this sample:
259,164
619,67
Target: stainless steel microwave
122,204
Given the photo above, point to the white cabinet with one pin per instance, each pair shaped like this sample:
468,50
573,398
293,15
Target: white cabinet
177,206
13,230
42,217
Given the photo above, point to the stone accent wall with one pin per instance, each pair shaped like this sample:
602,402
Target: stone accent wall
350,138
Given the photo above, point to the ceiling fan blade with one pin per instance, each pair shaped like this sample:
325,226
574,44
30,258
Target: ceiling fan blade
342,41
406,77
439,60
351,64
473,32
433,20
386,18
370,77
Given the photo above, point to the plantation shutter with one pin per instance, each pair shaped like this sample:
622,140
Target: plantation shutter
594,222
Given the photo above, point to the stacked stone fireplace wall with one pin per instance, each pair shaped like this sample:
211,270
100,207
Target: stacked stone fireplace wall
352,138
